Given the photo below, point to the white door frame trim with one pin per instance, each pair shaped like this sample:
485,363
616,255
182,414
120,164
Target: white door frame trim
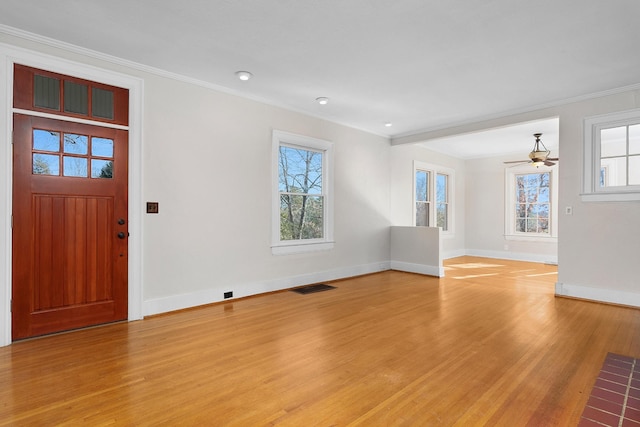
9,55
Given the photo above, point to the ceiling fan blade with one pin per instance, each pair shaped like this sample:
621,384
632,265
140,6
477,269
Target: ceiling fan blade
553,158
548,163
517,161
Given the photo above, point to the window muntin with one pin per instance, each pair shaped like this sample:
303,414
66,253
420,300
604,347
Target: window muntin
620,156
531,195
68,154
433,196
532,203
46,91
611,168
302,194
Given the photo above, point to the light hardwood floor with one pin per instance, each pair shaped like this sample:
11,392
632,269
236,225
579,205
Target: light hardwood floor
487,345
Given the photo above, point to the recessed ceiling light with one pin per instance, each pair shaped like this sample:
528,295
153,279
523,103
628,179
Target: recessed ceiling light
244,75
322,100
388,124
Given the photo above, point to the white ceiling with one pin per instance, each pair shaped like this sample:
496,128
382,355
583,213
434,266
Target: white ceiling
516,141
420,64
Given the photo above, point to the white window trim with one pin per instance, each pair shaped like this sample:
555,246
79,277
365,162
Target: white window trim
591,191
510,209
279,247
451,185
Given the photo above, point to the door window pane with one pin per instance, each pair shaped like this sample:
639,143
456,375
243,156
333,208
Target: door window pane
75,166
45,140
46,164
75,144
101,168
101,147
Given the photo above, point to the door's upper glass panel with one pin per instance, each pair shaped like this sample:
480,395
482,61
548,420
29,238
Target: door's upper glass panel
75,166
101,168
76,144
102,147
45,140
46,164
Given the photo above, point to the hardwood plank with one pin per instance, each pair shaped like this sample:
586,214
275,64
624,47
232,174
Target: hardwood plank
489,344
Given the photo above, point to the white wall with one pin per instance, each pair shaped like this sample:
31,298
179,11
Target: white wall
417,250
401,164
213,231
485,216
207,161
599,245
206,158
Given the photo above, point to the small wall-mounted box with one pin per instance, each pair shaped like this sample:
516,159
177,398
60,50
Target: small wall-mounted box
152,207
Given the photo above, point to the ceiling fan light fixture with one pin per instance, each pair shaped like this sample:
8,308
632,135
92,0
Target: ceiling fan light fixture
539,156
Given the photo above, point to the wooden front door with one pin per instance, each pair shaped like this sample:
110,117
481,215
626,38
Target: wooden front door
70,225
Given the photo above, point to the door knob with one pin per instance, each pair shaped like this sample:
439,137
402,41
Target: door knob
121,221
121,235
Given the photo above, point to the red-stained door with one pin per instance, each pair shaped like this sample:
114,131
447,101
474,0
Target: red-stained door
69,226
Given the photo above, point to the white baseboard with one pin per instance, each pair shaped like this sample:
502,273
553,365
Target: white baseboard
429,270
612,296
515,256
454,253
209,296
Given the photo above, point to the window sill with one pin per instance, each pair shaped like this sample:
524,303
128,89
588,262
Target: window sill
299,248
523,238
611,196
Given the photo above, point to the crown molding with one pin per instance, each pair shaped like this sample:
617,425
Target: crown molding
552,104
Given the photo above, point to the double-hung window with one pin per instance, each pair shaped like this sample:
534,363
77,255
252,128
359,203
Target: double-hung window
612,157
302,194
432,196
531,210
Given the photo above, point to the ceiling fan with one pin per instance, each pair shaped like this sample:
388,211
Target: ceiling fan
539,155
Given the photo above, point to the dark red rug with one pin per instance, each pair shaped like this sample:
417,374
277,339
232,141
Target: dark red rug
615,398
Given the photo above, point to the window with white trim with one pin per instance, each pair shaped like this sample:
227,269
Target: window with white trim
612,157
302,213
531,203
433,198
